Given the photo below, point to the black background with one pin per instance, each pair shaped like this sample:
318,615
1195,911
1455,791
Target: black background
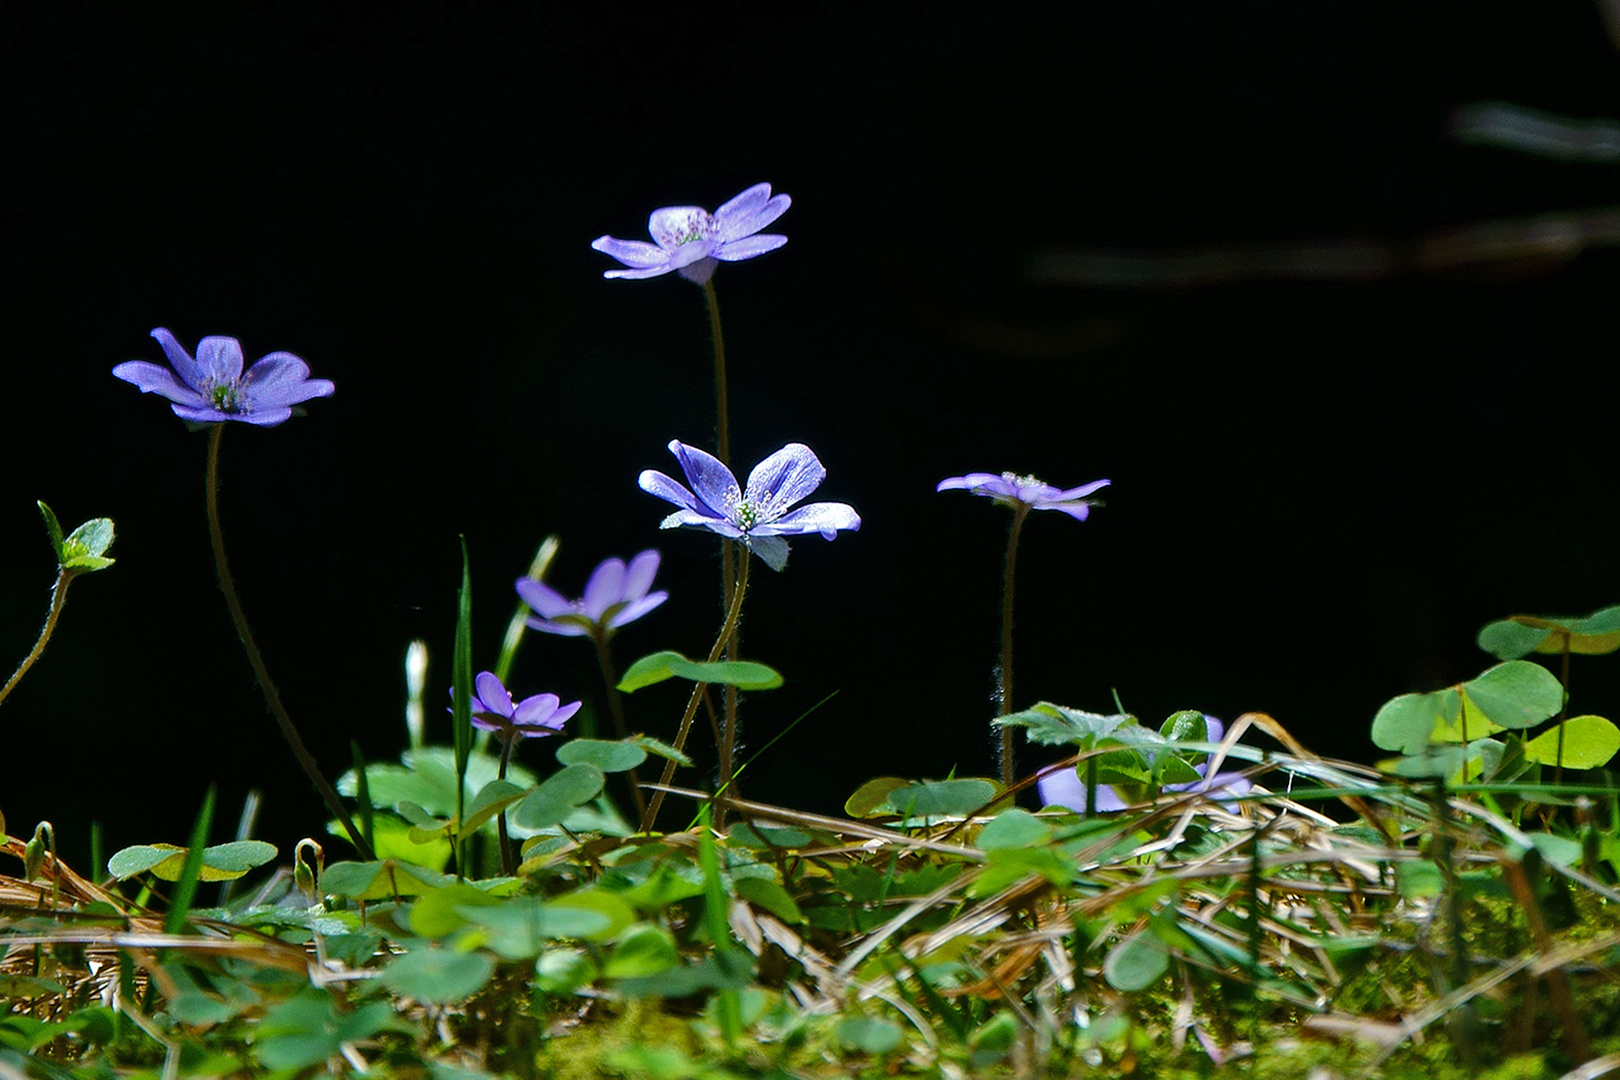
1321,490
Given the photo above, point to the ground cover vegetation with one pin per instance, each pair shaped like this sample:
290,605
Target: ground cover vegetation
1188,897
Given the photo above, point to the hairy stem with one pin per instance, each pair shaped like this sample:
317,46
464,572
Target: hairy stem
508,866
58,601
697,694
1004,687
272,696
616,709
729,550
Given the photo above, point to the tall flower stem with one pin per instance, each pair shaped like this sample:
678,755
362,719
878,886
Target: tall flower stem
272,696
697,693
728,549
616,709
1004,687
508,864
58,601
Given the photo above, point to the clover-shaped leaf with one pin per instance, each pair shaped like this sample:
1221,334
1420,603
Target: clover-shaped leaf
1520,635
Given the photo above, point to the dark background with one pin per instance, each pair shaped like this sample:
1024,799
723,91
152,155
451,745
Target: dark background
1321,488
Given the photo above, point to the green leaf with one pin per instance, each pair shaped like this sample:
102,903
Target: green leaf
519,928
83,549
222,862
438,976
1407,722
461,680
1516,694
379,880
427,777
761,837
1589,742
661,749
743,674
562,971
869,1035
54,529
871,799
767,894
1136,963
942,798
610,757
1055,725
491,799
618,914
551,802
1519,635
435,913
1014,829
642,950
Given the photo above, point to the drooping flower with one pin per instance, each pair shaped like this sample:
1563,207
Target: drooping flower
1065,787
615,594
692,242
760,515
213,388
1010,489
533,717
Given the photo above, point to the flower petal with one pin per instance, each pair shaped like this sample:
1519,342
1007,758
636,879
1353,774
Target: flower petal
639,275
697,520
669,489
749,212
783,479
673,227
1082,491
635,253
219,359
772,550
747,248
639,574
157,379
825,518
181,360
535,710
563,626
635,609
712,483
605,588
205,414
492,694
547,602
975,482
264,417
1063,787
282,379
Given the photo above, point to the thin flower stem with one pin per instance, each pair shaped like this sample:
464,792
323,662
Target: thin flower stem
722,409
58,601
1004,688
507,865
272,696
697,694
616,709
728,549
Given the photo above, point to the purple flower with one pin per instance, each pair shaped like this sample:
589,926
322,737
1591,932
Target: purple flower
759,516
615,594
690,240
212,388
1010,489
1065,787
537,716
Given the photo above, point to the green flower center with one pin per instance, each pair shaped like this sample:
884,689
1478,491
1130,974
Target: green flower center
226,398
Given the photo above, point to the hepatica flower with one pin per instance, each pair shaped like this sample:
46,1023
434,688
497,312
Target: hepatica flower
1065,787
692,242
1010,489
213,388
760,515
615,594
533,717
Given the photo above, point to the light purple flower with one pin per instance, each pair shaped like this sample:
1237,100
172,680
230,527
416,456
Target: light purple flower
537,716
1065,787
760,515
615,594
692,242
212,388
1010,489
